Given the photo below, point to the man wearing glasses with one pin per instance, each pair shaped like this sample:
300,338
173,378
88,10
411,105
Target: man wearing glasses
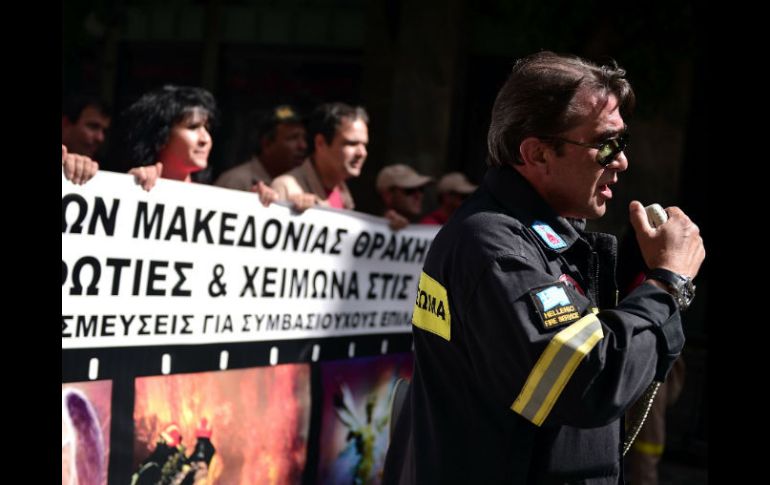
525,362
401,189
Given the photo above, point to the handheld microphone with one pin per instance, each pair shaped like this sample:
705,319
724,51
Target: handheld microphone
656,215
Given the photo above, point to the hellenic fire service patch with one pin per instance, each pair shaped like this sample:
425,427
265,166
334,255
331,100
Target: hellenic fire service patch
555,306
548,235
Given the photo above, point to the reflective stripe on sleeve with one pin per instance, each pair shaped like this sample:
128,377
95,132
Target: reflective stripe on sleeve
555,367
647,448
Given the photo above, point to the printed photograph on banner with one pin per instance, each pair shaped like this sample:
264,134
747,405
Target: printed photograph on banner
356,417
238,426
85,432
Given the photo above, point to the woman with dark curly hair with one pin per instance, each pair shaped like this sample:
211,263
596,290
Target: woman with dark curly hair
167,129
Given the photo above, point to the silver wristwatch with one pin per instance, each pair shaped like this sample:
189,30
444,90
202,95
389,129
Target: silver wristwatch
680,286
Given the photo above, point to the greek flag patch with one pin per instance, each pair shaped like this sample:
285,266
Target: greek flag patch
552,296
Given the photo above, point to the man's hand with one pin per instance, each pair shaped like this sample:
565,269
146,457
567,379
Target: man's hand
266,195
302,202
147,176
675,245
395,220
78,169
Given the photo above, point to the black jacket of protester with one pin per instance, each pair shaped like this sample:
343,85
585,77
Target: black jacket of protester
524,360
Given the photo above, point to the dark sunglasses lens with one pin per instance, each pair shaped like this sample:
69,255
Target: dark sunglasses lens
610,149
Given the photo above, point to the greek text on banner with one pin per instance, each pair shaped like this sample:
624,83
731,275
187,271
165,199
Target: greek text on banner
194,264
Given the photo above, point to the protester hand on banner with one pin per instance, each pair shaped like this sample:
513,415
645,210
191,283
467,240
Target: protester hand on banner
266,194
303,202
146,176
395,220
78,169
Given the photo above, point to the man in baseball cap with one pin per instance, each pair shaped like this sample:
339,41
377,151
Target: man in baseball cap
280,146
401,189
453,188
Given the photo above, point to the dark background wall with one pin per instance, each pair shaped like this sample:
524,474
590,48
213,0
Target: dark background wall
428,73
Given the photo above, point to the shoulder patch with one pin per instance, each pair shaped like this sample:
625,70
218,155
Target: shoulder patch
548,235
555,306
431,308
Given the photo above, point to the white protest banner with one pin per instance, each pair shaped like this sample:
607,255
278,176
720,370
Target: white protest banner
194,264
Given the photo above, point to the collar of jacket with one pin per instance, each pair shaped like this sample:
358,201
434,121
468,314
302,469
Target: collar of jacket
521,201
312,180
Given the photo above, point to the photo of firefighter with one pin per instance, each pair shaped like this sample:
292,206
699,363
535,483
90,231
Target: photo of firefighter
237,426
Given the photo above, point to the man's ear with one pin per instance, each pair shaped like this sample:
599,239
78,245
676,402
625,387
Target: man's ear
532,151
319,141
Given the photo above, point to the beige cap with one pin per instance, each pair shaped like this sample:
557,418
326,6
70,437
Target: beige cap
401,176
455,182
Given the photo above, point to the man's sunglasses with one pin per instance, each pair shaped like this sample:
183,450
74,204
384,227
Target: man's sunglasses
607,149
411,191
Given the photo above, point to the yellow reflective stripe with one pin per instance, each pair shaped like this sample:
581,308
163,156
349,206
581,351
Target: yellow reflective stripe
545,361
647,448
565,374
554,368
431,308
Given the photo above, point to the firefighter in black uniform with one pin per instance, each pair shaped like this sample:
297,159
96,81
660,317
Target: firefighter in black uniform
525,362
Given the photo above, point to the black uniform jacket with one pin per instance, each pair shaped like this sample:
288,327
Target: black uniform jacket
524,360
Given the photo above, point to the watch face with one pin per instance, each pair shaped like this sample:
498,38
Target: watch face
686,294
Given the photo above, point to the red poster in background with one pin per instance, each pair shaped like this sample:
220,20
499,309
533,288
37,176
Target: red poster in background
85,432
238,426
